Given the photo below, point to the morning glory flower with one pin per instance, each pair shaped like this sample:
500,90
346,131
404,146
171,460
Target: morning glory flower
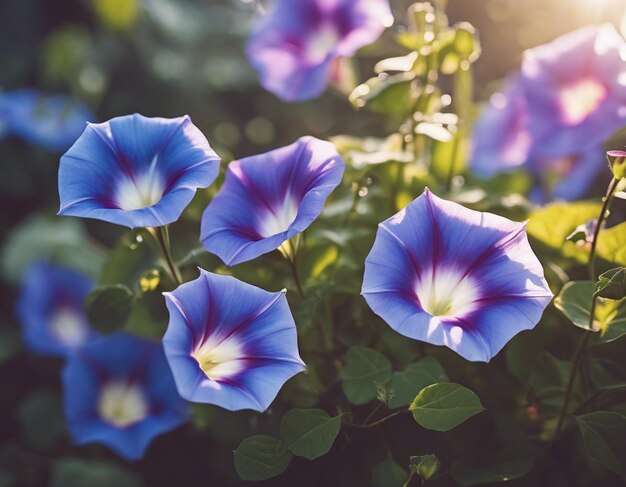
575,88
119,391
50,309
52,122
502,142
230,343
294,45
269,198
136,171
447,275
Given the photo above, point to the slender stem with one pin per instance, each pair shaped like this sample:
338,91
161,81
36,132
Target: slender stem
355,202
587,334
296,276
374,411
455,155
408,481
290,254
605,206
380,421
161,234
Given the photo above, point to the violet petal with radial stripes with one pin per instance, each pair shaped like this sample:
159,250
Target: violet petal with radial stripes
294,45
136,171
119,391
269,198
447,275
229,343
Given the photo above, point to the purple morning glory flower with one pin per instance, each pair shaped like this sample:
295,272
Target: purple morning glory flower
50,308
230,343
269,198
119,392
294,45
136,171
502,141
52,122
447,275
575,88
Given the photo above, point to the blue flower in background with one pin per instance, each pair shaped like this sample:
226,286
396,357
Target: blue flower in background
230,343
294,45
119,391
502,141
269,198
447,275
575,89
136,171
50,309
52,122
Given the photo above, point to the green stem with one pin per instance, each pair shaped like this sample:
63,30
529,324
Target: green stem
408,481
374,411
587,334
291,256
161,234
380,421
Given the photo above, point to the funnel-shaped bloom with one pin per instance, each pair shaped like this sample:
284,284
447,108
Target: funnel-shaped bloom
269,198
50,308
502,141
52,122
447,275
119,392
294,45
575,89
230,343
136,171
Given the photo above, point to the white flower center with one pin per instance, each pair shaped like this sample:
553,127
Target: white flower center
580,99
273,223
321,43
68,325
122,404
142,191
220,360
446,293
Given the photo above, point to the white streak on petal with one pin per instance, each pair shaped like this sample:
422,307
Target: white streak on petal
142,192
277,221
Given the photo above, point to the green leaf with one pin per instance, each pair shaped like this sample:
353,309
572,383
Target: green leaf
394,96
108,307
574,301
604,435
552,224
42,421
612,244
414,378
548,378
442,406
92,473
10,344
261,457
129,260
612,284
365,369
495,465
309,433
62,241
388,474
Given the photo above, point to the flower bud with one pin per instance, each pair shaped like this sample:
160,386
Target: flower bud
617,163
426,466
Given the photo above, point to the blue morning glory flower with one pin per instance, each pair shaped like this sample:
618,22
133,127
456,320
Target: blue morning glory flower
269,198
136,171
230,343
502,141
447,275
52,122
50,309
119,391
575,88
294,45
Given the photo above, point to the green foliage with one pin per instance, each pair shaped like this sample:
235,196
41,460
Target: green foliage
71,472
426,466
612,284
443,406
61,241
575,301
364,370
552,224
41,420
494,464
388,474
108,307
261,457
407,383
548,377
309,433
604,435
612,244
